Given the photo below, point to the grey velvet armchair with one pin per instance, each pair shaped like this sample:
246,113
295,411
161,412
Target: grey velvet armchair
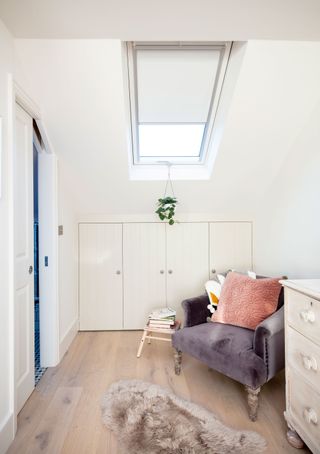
249,357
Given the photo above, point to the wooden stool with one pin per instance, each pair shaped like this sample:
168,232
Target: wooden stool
149,331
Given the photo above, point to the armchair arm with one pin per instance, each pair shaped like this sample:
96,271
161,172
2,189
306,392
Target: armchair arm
195,310
268,342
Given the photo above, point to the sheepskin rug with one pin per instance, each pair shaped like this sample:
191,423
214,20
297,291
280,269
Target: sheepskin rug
148,419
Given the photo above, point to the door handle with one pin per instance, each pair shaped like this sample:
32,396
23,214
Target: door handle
30,269
118,272
161,272
170,271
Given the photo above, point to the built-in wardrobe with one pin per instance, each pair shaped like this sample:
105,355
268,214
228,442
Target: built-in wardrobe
128,269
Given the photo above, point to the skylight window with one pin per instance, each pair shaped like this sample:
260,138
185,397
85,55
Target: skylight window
174,94
170,140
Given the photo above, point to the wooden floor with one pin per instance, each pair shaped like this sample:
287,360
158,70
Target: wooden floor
63,413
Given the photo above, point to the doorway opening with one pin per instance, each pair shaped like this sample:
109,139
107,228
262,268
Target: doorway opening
35,309
38,370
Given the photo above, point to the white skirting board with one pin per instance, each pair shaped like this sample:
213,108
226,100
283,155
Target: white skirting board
68,338
6,434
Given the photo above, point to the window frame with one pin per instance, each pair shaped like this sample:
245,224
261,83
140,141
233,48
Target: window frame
224,49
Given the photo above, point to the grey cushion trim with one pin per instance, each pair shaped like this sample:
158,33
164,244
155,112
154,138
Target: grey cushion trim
268,342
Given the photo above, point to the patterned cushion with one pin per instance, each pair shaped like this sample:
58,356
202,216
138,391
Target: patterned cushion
246,302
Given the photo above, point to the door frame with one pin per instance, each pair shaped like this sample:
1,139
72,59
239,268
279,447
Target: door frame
48,239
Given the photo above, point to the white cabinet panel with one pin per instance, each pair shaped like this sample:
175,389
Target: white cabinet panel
187,262
101,302
230,246
144,255
162,265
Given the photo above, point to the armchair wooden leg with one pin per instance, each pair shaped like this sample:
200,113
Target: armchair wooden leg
177,362
253,402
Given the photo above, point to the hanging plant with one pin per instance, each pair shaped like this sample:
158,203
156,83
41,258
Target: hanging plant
166,209
167,205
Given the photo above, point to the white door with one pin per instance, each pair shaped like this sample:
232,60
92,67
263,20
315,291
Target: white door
230,246
187,262
144,255
100,279
23,256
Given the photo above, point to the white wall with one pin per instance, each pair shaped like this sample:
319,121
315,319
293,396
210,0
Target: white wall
287,226
6,301
79,84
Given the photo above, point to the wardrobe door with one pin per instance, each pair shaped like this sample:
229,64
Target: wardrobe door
187,262
230,246
100,256
144,254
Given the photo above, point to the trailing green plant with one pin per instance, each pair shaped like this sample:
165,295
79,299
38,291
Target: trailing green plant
166,209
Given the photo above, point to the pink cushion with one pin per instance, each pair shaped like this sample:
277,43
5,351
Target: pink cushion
245,301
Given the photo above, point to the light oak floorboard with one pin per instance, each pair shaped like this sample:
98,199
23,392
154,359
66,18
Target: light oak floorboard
52,430
63,413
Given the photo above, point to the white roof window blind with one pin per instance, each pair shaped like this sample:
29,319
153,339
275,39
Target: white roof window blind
174,94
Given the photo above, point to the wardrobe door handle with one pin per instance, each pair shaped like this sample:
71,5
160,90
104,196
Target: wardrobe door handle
161,272
170,271
213,271
118,272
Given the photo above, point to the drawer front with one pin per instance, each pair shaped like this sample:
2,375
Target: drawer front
304,406
304,356
303,314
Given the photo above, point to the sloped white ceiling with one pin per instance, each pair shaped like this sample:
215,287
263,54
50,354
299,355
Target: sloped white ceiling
163,19
79,86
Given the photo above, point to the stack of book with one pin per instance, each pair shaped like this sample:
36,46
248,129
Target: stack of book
162,318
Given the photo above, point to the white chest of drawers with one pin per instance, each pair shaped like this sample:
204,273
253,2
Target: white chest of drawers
302,327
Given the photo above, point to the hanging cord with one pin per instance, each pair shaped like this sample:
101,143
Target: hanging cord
169,181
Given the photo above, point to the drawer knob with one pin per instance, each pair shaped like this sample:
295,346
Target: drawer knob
310,416
309,363
307,316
